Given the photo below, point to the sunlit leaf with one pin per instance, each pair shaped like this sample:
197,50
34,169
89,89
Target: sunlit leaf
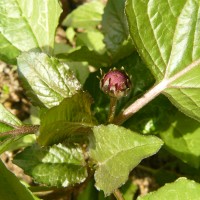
182,138
54,166
27,25
47,81
180,189
116,151
166,35
86,16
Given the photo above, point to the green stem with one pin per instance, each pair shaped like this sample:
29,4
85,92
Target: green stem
21,130
113,105
118,194
148,169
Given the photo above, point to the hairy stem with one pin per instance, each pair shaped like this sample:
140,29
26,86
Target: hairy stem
141,102
21,130
118,194
113,104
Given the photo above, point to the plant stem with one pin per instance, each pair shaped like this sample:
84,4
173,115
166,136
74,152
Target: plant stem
141,102
22,130
118,194
113,104
148,169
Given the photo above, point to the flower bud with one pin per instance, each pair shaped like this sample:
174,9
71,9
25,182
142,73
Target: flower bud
116,83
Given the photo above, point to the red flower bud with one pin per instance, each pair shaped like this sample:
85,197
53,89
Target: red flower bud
116,83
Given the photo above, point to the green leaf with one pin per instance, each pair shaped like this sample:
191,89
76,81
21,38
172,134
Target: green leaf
182,188
80,70
62,48
117,151
153,118
47,81
166,35
11,188
7,122
84,54
114,25
54,166
126,48
182,139
8,51
70,34
8,118
71,117
86,16
26,26
93,40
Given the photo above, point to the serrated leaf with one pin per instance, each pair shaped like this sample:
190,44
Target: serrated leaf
47,81
58,165
182,139
11,188
117,151
86,16
71,117
28,25
114,25
166,35
182,188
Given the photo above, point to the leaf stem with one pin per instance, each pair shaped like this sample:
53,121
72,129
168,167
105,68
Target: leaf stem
21,130
139,103
118,194
113,104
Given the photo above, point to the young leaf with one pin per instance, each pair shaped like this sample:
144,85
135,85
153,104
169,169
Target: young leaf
117,151
167,36
71,117
114,25
29,26
54,166
182,139
86,16
182,188
46,80
11,188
